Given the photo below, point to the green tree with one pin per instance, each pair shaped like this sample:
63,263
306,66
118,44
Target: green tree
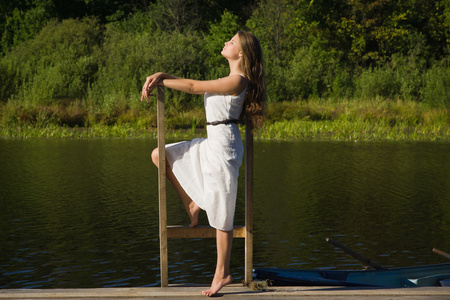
24,22
218,34
368,31
270,23
195,14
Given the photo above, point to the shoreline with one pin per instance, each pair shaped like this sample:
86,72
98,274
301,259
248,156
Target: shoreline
335,120
279,131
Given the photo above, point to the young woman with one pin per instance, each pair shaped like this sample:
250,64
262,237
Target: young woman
203,171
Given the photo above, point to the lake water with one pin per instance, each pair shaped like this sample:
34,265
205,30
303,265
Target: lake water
84,213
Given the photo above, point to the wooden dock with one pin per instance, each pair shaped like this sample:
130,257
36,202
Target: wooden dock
234,291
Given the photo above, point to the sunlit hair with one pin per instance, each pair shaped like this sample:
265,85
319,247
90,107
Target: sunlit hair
252,66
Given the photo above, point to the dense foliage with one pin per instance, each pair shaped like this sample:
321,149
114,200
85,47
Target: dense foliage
88,55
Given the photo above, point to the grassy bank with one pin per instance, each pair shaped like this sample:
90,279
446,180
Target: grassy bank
350,120
321,119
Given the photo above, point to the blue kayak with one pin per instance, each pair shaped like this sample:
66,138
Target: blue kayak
429,275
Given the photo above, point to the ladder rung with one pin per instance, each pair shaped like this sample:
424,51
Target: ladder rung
179,231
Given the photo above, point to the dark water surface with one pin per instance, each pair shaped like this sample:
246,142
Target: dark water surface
84,213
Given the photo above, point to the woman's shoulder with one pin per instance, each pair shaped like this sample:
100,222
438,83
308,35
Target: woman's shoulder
242,84
232,84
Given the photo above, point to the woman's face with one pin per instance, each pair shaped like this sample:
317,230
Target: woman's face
232,48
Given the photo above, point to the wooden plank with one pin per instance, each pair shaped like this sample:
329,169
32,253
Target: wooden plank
164,264
235,290
248,276
179,231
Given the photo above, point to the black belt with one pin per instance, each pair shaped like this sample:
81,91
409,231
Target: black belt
229,121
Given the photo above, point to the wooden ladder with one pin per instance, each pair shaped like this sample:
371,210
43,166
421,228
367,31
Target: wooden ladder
166,232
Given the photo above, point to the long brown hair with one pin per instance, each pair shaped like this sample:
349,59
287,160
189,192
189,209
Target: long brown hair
252,65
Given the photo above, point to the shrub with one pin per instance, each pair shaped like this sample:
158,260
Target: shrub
128,58
408,72
8,79
378,81
305,75
58,63
341,83
436,90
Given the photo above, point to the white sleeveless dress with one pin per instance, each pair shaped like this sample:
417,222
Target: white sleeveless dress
208,168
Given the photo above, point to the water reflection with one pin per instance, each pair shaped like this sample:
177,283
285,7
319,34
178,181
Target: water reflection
388,201
83,213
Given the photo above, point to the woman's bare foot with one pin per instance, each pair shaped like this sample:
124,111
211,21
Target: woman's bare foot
194,211
218,283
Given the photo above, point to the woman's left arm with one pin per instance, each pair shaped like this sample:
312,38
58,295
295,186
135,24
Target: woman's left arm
232,85
151,82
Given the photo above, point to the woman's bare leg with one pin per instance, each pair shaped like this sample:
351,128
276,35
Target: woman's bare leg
192,209
222,276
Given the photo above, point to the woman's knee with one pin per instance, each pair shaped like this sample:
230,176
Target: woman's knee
155,156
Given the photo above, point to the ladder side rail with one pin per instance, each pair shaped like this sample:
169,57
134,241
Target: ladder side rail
248,203
164,268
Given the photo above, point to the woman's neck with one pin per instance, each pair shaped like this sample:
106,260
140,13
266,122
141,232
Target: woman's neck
235,67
